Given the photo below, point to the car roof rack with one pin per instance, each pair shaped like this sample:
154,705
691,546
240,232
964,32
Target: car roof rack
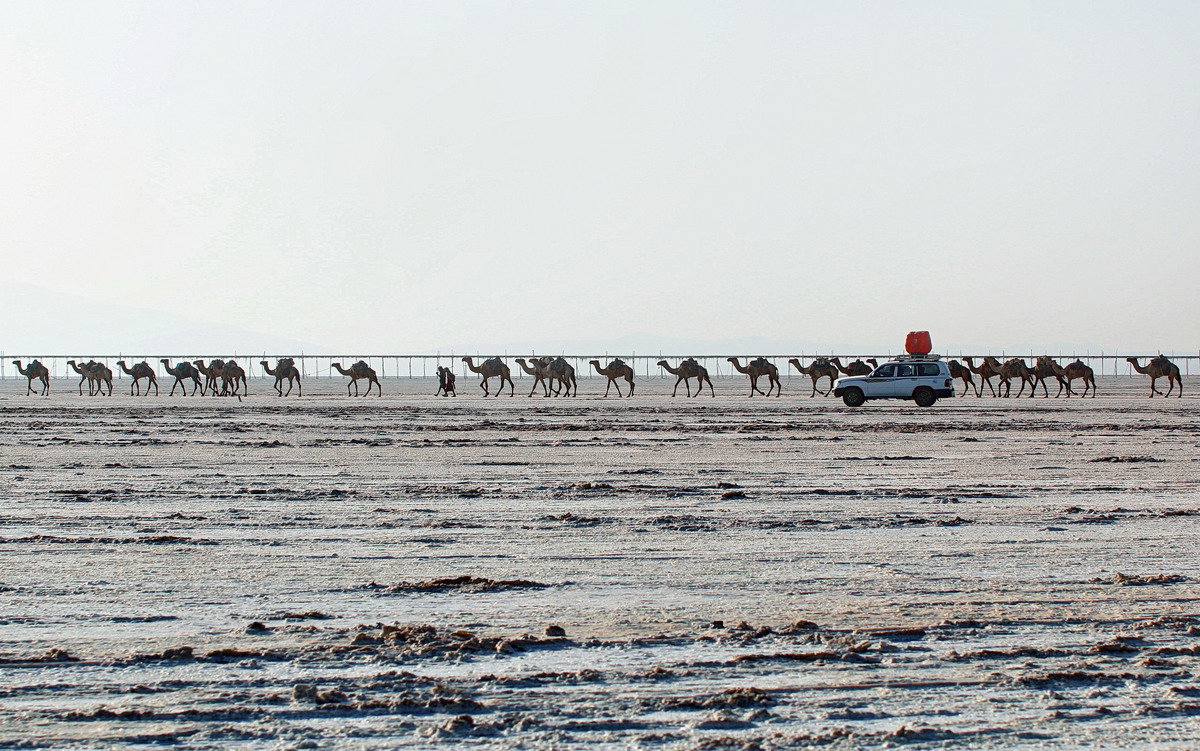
917,357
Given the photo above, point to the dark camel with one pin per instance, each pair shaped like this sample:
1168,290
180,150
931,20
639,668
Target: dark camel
492,367
1012,368
539,371
960,371
616,369
139,371
820,368
212,374
757,369
985,371
85,371
233,376
359,371
1043,368
687,370
856,368
1159,367
35,372
102,374
183,372
284,369
1075,371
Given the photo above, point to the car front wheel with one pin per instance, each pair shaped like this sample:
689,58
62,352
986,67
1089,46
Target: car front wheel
924,397
854,397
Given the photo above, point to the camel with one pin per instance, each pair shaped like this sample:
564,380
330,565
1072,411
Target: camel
1159,367
819,369
183,372
958,370
35,372
359,371
856,368
232,375
689,369
985,371
756,369
873,363
539,371
616,369
1073,371
285,368
491,368
1045,367
562,372
85,371
102,374
211,373
139,371
446,380
1012,368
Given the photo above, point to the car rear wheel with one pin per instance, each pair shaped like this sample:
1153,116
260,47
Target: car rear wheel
924,397
853,397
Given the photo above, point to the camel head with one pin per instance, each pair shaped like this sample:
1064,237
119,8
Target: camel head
663,364
165,361
1131,360
594,362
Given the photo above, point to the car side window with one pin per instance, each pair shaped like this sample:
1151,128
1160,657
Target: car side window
927,369
905,371
884,371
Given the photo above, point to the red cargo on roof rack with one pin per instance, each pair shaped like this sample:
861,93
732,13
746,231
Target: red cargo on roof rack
918,343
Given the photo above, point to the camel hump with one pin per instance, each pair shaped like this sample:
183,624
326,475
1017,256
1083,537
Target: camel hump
762,362
286,362
617,363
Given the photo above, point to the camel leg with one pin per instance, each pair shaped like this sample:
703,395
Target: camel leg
711,391
630,382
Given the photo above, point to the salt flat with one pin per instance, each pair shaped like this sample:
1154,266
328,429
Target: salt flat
728,573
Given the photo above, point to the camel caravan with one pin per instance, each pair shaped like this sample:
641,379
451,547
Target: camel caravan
555,376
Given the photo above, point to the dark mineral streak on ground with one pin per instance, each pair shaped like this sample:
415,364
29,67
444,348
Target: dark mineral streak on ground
654,572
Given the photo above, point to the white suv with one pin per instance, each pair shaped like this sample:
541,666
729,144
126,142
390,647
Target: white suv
922,378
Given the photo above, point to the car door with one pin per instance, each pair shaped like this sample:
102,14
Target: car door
880,383
906,380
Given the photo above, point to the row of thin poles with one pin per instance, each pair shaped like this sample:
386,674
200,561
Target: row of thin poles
425,366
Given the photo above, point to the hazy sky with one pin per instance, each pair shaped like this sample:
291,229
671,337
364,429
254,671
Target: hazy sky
416,175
